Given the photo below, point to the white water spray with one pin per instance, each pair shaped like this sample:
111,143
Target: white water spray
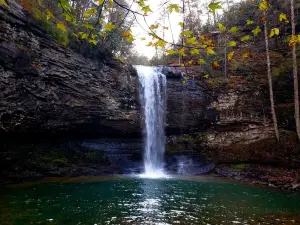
152,95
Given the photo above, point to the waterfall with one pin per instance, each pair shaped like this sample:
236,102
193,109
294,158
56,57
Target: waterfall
153,101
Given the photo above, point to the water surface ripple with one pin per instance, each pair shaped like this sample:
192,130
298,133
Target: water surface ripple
147,201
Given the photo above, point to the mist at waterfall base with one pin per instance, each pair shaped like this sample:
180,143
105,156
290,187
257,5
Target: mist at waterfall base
153,102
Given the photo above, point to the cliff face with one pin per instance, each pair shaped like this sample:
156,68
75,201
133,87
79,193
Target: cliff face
45,87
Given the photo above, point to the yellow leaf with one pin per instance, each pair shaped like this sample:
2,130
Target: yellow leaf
187,33
191,41
95,42
153,27
201,61
232,44
160,43
173,7
249,22
146,9
100,2
234,29
149,44
246,38
3,2
221,27
283,18
195,52
215,65
171,52
190,62
246,55
61,25
256,31
210,51
130,38
230,56
264,5
274,31
181,52
293,40
214,6
109,26
49,14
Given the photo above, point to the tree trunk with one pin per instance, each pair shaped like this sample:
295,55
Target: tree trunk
295,72
270,79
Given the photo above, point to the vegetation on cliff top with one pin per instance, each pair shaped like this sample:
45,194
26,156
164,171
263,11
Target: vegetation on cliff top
214,35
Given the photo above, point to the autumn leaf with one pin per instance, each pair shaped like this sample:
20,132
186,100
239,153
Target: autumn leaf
221,27
149,44
171,52
146,9
3,2
246,55
293,40
256,31
206,76
88,26
83,35
264,5
190,62
230,56
246,38
130,38
181,51
173,7
191,41
187,33
100,2
60,25
160,43
181,24
195,52
274,31
153,27
215,65
126,34
95,42
213,6
283,18
49,14
249,22
233,29
109,26
232,44
210,51
201,61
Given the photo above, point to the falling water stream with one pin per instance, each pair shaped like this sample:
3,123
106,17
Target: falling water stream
152,95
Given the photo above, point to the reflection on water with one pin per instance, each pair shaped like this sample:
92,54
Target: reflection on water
147,201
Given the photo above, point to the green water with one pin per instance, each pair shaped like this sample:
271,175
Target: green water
146,201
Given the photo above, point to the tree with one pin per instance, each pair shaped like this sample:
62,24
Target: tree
264,6
295,72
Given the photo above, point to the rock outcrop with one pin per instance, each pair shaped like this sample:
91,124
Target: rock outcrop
45,87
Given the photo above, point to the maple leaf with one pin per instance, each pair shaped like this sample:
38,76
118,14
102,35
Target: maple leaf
213,6
173,7
230,56
60,25
109,26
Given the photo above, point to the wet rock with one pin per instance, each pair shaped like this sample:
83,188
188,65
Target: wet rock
45,87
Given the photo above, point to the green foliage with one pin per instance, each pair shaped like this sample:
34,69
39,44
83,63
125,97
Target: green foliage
50,28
